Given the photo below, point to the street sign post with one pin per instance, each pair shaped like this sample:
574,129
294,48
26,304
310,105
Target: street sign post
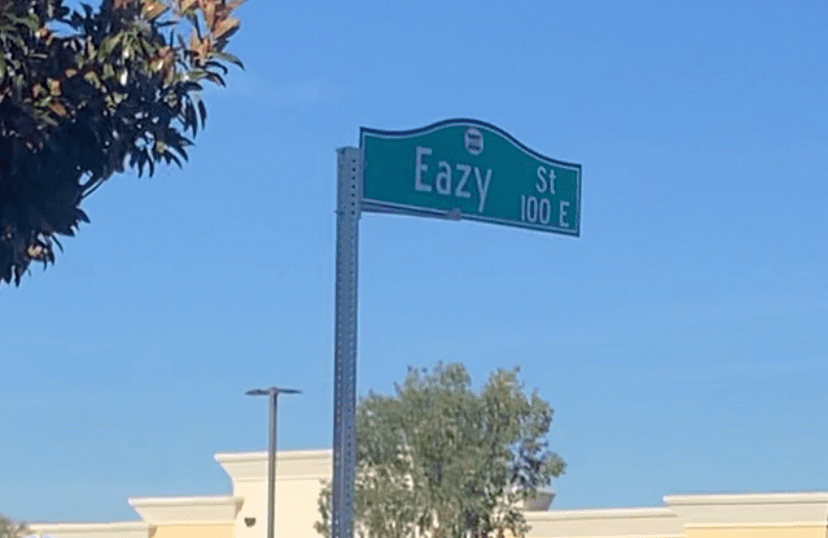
456,169
472,170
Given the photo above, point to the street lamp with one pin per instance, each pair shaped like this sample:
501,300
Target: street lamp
274,393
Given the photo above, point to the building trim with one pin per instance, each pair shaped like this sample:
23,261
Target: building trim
747,498
787,525
214,510
40,528
601,513
282,455
118,529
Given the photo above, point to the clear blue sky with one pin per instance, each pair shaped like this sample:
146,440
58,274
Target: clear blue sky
682,339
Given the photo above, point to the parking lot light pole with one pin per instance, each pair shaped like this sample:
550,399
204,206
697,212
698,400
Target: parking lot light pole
274,393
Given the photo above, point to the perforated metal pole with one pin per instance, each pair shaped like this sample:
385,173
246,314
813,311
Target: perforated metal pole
349,197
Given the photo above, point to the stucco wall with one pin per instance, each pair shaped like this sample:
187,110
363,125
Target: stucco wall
794,531
649,522
756,515
193,531
298,482
126,529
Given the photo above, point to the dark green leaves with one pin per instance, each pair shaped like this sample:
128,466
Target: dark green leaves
77,108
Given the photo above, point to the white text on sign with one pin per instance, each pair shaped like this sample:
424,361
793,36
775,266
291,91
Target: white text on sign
444,181
455,179
539,210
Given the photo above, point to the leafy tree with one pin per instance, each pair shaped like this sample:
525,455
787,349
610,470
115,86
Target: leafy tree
85,94
448,461
12,529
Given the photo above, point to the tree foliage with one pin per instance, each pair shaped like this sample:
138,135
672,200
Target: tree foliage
12,529
85,94
447,461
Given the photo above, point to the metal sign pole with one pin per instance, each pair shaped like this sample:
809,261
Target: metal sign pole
349,198
271,466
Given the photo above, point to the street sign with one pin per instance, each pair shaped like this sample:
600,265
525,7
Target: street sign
469,169
457,169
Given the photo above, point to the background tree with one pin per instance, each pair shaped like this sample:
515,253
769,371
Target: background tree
85,94
12,529
448,461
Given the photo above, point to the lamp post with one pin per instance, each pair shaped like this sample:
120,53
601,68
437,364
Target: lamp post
274,393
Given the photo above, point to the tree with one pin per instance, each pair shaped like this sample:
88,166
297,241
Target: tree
85,94
448,461
12,529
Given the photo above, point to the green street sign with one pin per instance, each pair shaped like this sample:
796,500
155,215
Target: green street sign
469,169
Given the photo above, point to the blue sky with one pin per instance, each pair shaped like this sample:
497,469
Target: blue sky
681,339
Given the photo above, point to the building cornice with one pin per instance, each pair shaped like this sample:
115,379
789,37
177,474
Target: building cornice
290,465
601,513
594,523
282,455
751,510
747,498
120,529
214,510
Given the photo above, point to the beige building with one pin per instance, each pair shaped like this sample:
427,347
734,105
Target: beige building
243,514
